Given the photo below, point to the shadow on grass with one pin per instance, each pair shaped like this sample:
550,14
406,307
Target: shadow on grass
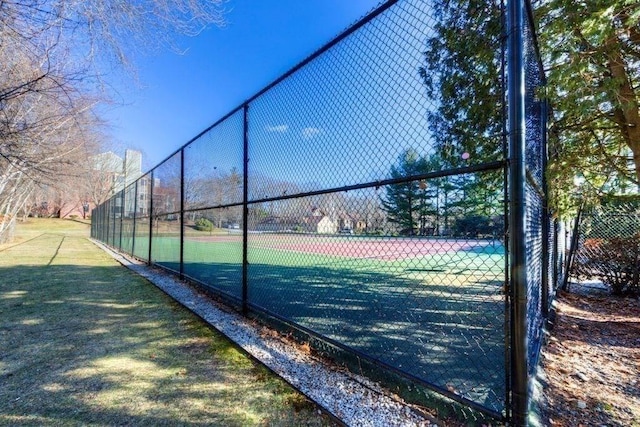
97,344
443,329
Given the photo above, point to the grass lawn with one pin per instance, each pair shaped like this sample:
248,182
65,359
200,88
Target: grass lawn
84,341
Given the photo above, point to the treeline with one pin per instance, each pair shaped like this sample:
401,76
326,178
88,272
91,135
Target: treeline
464,205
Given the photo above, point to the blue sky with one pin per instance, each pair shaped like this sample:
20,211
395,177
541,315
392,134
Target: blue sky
180,95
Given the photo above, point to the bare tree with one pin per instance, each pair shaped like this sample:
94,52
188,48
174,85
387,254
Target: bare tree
40,136
54,55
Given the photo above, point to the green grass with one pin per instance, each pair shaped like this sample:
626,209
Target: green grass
84,341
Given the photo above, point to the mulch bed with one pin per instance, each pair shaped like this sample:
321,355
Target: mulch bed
592,362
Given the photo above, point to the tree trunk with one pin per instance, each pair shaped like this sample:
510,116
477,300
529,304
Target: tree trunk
627,115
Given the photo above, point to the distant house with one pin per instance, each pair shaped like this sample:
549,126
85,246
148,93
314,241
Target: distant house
351,222
309,224
321,225
360,225
273,224
345,222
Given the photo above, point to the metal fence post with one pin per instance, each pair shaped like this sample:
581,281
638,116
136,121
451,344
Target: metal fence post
122,197
245,211
107,220
135,213
182,213
112,225
97,214
113,214
517,212
150,214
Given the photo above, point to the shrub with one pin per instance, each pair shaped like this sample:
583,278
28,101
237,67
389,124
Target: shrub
374,232
203,224
474,225
615,261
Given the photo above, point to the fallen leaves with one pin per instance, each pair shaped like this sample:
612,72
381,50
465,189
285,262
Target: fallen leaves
592,362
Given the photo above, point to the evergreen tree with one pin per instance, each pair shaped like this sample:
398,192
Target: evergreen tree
592,54
408,204
462,74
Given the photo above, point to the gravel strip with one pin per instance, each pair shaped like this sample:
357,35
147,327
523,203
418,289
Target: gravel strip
353,399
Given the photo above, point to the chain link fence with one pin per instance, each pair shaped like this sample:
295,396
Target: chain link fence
539,230
363,198
608,245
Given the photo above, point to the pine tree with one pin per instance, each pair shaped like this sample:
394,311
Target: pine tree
407,204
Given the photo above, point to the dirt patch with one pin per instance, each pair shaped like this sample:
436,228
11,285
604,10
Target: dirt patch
592,362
